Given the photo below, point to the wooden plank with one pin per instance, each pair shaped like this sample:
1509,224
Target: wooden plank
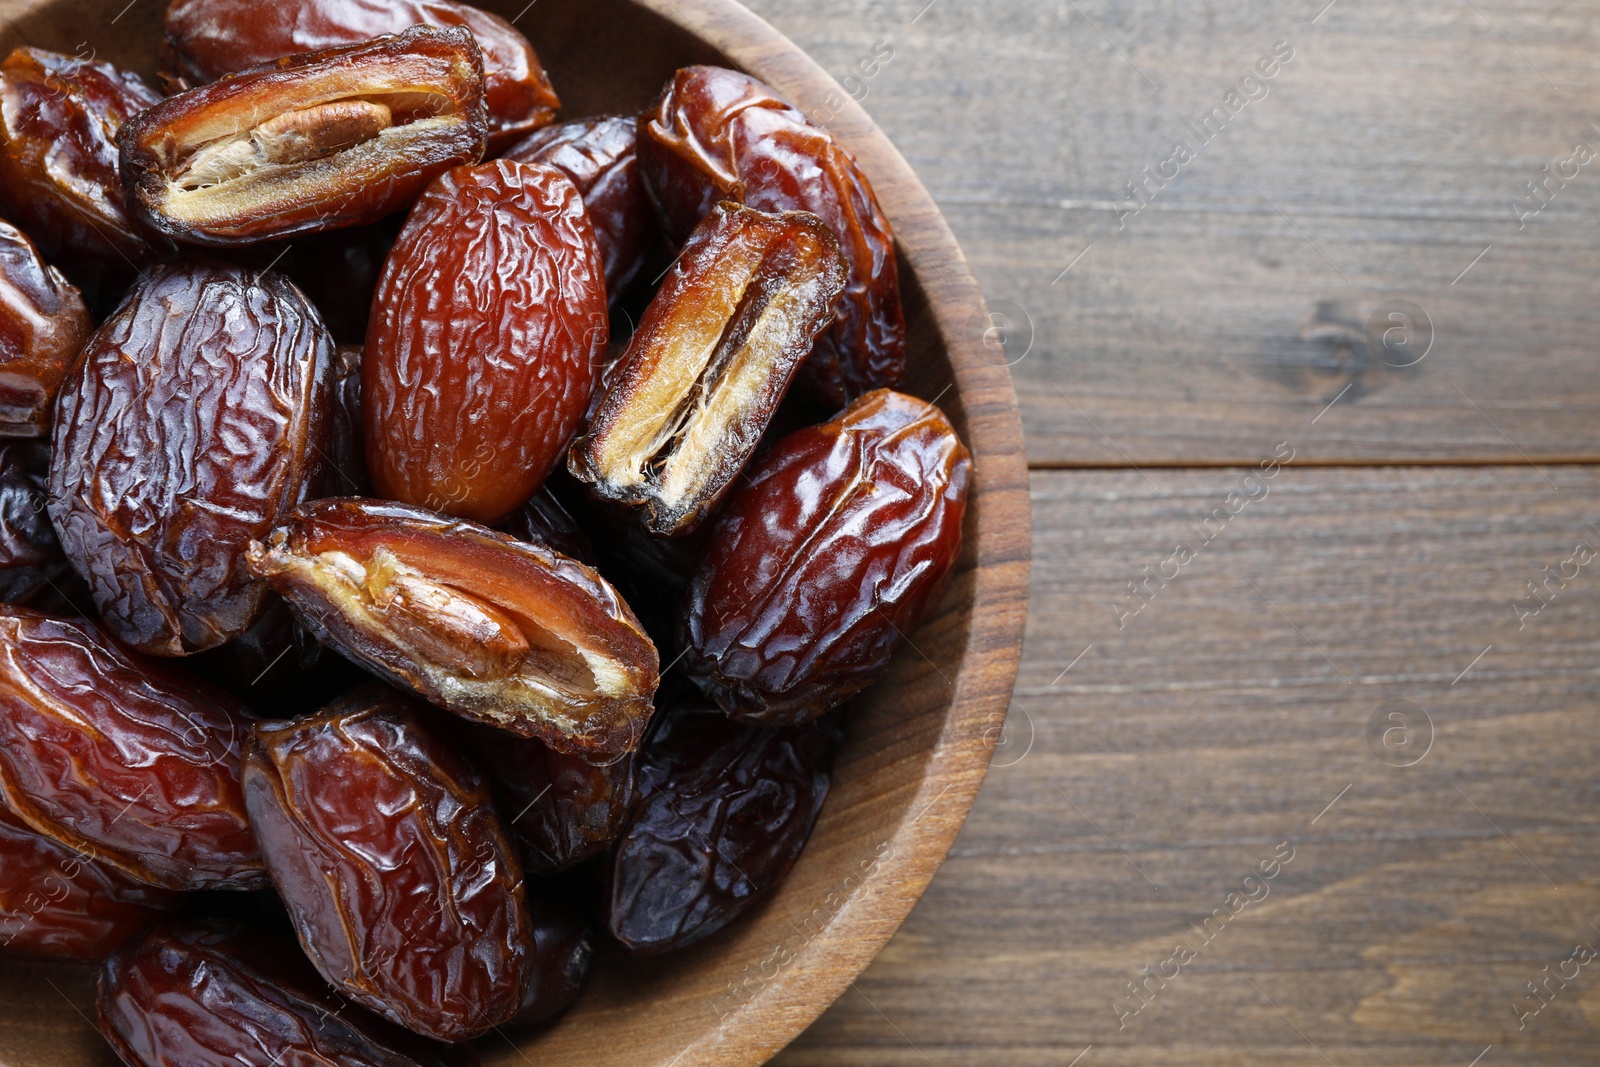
1240,709
1380,164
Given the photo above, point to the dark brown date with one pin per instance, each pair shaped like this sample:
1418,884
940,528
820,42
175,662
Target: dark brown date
58,162
826,557
216,994
725,809
122,757
562,809
209,38
565,947
347,468
59,903
399,880
33,570
545,520
717,134
599,155
43,325
712,358
497,630
315,142
498,261
197,418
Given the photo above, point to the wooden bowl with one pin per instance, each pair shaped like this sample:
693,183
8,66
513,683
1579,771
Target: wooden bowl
917,743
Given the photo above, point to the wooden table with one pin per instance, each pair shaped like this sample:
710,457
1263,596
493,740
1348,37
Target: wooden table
1300,762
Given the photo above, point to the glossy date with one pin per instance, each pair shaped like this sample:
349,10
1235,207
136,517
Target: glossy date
827,556
385,846
197,418
498,261
122,757
321,141
686,404
43,326
717,134
497,630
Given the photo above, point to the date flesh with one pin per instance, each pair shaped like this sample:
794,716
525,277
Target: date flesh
486,330
599,155
827,556
57,902
206,39
725,809
122,757
217,994
497,630
59,118
197,418
43,326
316,142
717,134
399,880
712,358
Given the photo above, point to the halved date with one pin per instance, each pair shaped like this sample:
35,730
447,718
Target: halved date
399,880
823,561
725,809
59,116
197,418
712,357
217,994
121,757
486,330
717,134
58,902
497,630
43,325
206,39
315,142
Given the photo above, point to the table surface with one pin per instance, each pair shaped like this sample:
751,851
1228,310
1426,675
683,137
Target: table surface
1300,762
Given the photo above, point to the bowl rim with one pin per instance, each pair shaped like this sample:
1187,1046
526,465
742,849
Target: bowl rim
830,962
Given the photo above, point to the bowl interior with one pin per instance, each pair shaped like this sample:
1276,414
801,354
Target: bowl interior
916,743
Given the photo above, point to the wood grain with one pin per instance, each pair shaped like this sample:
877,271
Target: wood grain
1133,793
1378,167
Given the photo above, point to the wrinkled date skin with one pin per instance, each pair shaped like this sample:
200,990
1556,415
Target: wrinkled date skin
599,155
217,994
497,630
315,142
386,848
59,903
26,537
545,520
43,326
827,556
59,118
562,809
725,809
565,948
122,757
717,134
712,358
347,474
209,38
489,322
196,420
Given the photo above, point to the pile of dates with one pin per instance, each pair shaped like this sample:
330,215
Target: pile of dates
436,541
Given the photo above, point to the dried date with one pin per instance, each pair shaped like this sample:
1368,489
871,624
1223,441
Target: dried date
565,948
399,880
33,569
725,809
122,757
822,562
59,903
59,117
486,330
206,39
599,155
717,134
315,142
497,630
197,418
43,326
545,520
217,994
712,358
